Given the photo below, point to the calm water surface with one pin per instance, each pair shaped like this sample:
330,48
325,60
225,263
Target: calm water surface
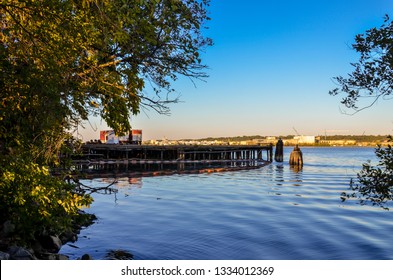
269,213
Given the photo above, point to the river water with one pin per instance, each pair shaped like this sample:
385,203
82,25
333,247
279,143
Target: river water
273,212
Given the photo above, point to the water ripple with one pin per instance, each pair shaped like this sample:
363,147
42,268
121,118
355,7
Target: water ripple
269,213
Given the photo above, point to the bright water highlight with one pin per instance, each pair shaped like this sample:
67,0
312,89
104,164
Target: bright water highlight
268,213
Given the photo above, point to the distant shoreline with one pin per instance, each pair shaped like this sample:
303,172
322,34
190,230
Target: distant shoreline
289,140
322,146
292,144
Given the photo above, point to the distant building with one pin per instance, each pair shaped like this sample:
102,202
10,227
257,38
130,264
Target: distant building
110,137
273,138
305,139
135,136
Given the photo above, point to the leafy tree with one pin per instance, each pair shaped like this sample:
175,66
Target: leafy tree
65,60
371,78
90,57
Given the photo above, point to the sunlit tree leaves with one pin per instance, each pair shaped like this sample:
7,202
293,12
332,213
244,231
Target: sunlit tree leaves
62,61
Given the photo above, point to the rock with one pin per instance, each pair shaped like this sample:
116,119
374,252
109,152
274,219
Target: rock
37,247
50,243
19,253
86,257
68,236
62,257
45,247
4,256
49,256
8,229
119,255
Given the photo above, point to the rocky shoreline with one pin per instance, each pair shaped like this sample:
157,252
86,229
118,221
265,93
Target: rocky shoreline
45,246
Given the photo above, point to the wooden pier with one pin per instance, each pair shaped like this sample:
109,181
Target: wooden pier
150,160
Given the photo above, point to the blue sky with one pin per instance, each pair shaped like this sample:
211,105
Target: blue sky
270,71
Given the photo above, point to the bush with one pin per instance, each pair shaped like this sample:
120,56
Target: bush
35,201
374,184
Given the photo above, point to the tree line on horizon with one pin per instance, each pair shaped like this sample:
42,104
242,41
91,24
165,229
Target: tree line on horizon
360,138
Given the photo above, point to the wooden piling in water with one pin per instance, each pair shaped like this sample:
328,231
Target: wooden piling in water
279,152
296,157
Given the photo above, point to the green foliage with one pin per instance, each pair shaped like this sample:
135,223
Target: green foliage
81,58
62,61
374,183
372,77
36,202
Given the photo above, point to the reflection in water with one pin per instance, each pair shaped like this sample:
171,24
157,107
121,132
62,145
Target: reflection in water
279,172
137,182
129,185
296,175
296,168
158,168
